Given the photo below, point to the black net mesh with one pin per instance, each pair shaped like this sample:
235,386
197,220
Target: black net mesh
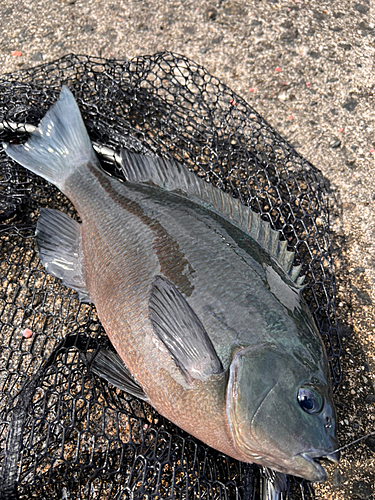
64,432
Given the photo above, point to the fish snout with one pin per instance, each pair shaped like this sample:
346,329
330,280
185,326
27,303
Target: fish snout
314,458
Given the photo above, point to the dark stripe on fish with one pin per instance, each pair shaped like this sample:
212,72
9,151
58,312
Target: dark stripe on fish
173,263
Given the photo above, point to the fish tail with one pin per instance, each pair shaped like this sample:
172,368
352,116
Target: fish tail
59,146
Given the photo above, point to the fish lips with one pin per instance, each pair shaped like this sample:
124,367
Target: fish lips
316,472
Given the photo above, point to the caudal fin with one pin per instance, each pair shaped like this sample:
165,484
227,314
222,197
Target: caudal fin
59,146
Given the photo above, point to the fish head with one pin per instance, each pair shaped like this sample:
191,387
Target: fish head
280,412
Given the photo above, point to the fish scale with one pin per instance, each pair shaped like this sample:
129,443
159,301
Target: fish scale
236,271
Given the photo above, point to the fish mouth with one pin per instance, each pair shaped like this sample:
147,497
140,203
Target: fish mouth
319,475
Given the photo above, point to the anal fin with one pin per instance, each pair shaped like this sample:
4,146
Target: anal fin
58,238
108,365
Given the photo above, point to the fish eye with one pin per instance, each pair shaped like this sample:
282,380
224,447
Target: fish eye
310,401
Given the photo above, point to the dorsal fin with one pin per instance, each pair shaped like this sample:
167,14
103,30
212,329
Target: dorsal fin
172,176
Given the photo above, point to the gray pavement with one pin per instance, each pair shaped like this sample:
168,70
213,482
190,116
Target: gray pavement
308,68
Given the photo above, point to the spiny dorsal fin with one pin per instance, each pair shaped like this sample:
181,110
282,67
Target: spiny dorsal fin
172,176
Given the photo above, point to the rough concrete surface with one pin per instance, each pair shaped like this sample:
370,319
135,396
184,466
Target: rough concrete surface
308,68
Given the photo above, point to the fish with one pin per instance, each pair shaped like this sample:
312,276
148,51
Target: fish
197,294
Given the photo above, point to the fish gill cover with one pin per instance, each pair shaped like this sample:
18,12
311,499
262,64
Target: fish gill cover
65,432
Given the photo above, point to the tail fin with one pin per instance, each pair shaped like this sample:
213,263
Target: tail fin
60,144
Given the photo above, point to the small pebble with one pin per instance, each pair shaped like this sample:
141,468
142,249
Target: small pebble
336,143
27,333
38,56
211,14
360,7
350,104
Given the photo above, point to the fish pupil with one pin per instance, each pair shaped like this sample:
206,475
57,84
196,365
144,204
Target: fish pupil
308,401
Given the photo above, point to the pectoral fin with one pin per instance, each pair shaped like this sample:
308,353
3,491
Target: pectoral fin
178,327
108,365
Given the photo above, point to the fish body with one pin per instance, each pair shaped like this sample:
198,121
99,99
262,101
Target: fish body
196,294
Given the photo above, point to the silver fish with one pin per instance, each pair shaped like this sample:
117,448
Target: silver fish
197,295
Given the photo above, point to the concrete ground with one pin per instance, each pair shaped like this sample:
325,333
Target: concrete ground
308,68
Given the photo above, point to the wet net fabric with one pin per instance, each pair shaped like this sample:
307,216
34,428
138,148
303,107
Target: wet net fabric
64,432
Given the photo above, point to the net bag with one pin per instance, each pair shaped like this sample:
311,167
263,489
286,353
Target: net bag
64,432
